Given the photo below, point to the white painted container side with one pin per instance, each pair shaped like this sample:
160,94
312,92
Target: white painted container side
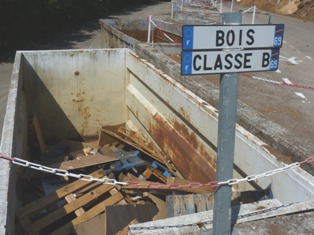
76,92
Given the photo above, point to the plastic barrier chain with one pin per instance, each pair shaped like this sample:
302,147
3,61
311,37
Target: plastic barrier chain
278,83
214,184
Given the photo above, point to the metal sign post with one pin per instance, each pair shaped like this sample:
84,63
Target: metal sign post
226,137
228,49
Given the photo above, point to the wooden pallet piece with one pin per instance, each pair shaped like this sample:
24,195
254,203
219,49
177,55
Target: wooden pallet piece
53,197
96,210
200,202
188,204
70,198
175,205
67,209
25,214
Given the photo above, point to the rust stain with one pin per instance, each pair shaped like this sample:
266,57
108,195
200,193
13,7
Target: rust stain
184,114
86,115
183,131
180,146
205,154
79,97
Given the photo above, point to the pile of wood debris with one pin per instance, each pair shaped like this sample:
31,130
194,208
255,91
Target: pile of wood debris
63,205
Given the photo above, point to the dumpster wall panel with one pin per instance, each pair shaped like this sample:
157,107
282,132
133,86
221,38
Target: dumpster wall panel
160,106
12,144
76,92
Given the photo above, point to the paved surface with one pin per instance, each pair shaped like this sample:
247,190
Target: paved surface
291,107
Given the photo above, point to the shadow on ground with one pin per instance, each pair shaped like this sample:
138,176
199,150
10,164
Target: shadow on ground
71,37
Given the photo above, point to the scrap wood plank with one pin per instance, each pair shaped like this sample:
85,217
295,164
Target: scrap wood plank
186,204
150,170
140,143
85,161
94,226
131,143
158,158
161,205
96,210
189,204
175,205
119,216
70,198
107,139
55,196
68,208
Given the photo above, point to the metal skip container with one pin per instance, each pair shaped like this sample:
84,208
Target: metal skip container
75,92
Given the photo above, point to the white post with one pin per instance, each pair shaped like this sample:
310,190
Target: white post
153,38
231,8
253,17
149,28
172,3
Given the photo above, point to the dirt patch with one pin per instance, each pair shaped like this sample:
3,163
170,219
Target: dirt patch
306,10
303,9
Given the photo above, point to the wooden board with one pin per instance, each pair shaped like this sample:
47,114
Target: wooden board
187,204
119,216
104,138
90,199
55,196
161,205
85,161
96,210
94,226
